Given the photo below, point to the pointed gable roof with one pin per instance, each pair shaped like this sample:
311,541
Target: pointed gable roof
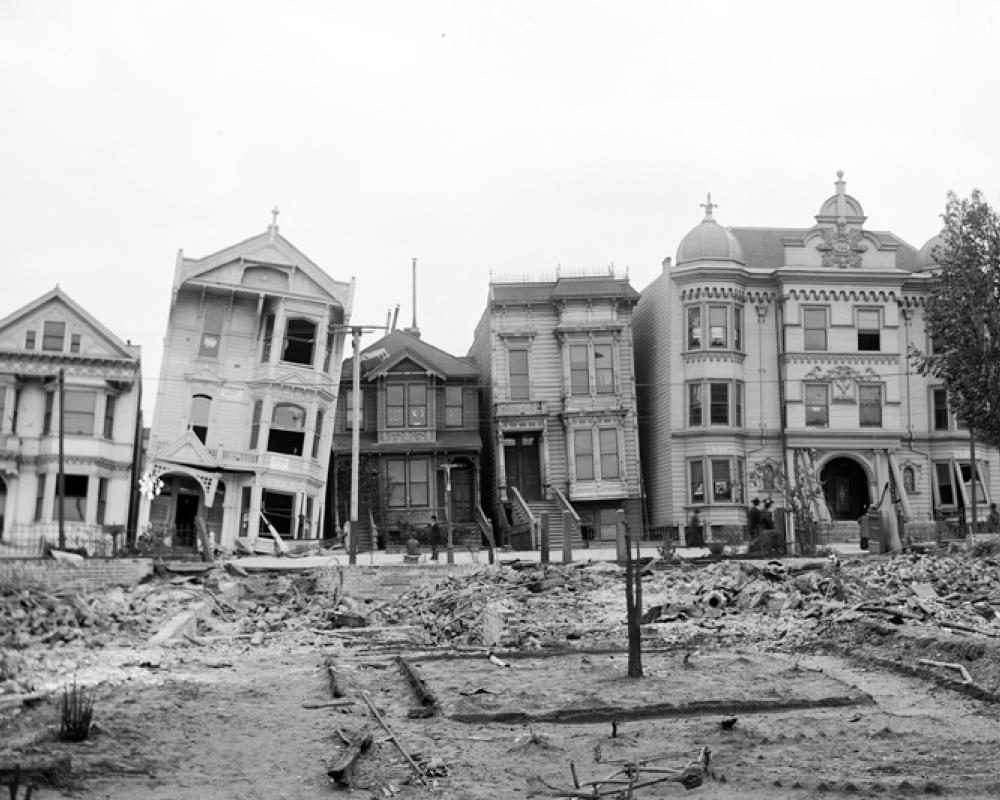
268,249
400,346
116,348
187,449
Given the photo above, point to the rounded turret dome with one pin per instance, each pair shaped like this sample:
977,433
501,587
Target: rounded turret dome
840,204
709,241
925,257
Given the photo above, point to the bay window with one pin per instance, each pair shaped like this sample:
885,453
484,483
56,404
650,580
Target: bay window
725,326
596,454
725,403
725,477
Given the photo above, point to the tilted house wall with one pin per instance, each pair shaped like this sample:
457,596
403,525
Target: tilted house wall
244,411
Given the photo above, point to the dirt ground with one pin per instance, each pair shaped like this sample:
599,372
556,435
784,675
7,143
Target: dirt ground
819,711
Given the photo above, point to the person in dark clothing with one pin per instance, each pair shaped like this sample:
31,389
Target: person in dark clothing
435,537
695,535
754,518
767,517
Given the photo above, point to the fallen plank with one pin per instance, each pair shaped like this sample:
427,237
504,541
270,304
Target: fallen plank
14,700
341,766
35,770
966,677
423,691
339,703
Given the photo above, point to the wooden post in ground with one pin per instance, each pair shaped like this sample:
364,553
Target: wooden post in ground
621,541
567,548
544,538
633,600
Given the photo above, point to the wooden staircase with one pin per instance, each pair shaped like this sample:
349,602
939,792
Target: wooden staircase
555,511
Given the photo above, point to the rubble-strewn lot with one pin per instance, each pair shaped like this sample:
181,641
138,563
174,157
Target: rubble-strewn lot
871,676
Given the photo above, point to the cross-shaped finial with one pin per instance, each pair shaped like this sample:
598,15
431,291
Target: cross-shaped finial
708,205
274,215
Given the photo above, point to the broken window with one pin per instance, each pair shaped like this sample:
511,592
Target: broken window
201,404
287,432
300,337
278,509
102,499
75,498
211,332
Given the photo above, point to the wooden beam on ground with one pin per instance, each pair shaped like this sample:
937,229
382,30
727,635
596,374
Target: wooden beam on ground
423,691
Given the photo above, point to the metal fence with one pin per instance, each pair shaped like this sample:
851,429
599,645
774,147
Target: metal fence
29,540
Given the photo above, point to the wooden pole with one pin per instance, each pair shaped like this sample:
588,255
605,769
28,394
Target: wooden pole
567,544
355,445
61,477
544,538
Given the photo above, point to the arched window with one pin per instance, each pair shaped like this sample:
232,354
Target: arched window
909,480
300,338
201,404
287,432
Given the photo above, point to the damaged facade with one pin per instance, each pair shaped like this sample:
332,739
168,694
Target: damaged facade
248,385
419,442
773,352
560,424
98,408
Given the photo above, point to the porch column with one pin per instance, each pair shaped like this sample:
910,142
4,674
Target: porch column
501,466
253,518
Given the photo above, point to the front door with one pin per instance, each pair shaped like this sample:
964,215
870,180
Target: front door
187,510
462,506
524,468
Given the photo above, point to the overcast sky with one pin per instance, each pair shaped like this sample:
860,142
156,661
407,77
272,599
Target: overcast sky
477,136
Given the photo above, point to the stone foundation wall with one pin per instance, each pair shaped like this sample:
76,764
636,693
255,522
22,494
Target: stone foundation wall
92,573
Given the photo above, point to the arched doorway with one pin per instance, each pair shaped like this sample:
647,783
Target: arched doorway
845,485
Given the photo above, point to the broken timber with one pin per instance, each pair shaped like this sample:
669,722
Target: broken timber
423,692
337,688
341,766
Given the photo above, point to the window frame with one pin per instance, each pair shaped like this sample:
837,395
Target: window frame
725,477
519,381
583,454
693,337
864,388
696,404
806,311
454,412
29,340
405,481
292,439
718,410
825,423
723,342
869,339
102,500
75,419
317,432
51,341
110,406
292,342
579,371
198,419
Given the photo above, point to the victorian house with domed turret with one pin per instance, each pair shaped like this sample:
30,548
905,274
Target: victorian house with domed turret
771,352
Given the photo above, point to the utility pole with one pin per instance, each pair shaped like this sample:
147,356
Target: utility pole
355,444
61,478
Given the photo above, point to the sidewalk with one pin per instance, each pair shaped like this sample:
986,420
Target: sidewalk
378,558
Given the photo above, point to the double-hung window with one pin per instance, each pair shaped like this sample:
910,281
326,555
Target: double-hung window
694,327
517,365
605,458
406,405
604,369
718,403
53,336
870,406
869,330
78,411
453,416
717,326
408,480
724,476
724,400
694,405
723,331
817,397
939,400
814,328
579,369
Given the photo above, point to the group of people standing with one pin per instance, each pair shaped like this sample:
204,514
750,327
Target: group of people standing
759,519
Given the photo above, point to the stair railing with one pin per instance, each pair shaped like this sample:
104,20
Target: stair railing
565,505
521,506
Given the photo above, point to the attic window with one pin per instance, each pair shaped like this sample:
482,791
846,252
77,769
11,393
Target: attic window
29,340
300,338
53,336
74,343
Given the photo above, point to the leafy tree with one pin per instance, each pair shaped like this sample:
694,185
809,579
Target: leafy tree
962,315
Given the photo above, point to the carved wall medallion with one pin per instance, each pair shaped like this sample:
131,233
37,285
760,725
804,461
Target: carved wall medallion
843,379
842,247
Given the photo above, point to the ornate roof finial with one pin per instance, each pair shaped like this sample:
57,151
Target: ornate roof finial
708,205
841,186
273,227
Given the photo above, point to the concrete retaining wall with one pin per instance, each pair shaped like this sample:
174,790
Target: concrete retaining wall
387,581
93,573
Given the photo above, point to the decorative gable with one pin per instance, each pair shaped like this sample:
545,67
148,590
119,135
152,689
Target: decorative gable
188,449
